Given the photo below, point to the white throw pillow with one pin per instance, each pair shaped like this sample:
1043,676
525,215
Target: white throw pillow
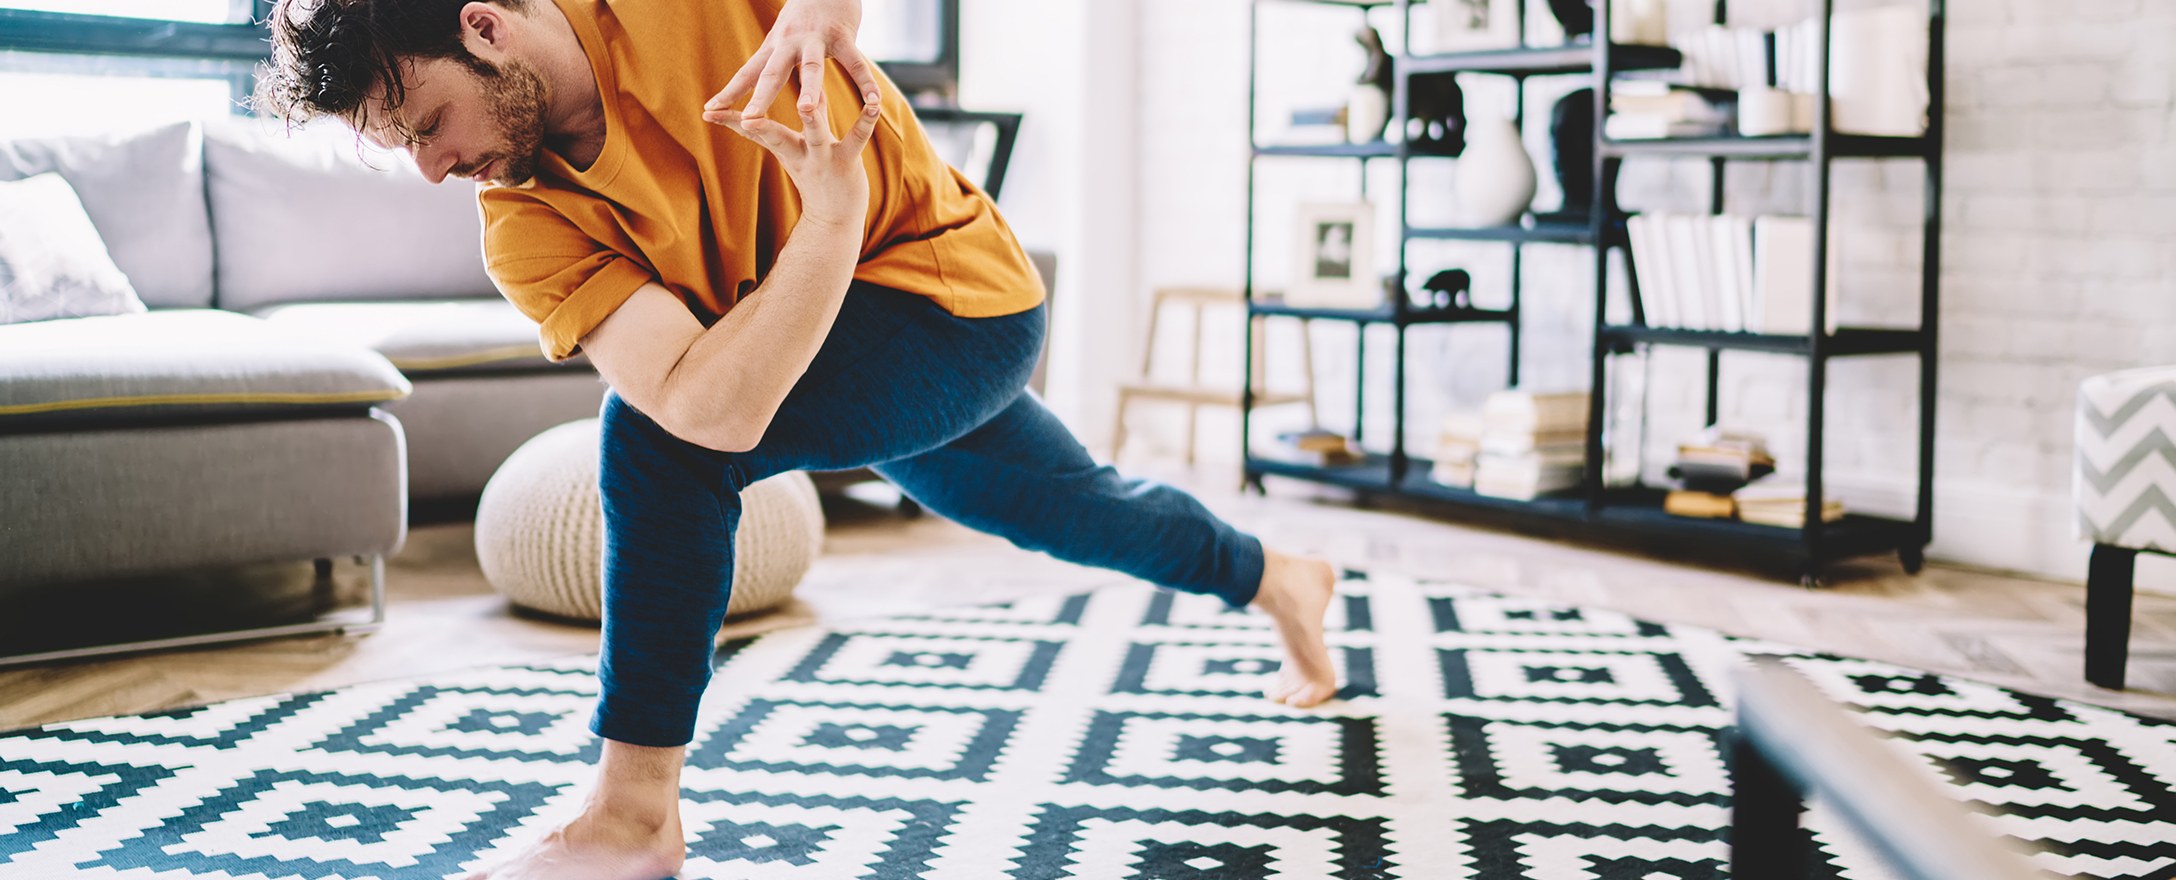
52,262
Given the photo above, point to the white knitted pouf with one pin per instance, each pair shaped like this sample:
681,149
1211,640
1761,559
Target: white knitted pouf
540,530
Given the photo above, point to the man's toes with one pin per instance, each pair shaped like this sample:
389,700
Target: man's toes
1310,696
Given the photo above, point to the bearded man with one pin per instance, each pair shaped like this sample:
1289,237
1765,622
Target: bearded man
761,295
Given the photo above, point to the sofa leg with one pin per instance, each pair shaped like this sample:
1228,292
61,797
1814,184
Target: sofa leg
2108,615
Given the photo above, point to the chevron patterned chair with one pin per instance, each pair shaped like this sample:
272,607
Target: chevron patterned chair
2126,496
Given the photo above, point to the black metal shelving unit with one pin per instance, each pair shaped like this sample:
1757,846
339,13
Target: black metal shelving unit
1597,508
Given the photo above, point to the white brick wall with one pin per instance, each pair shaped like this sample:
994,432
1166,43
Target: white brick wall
2059,203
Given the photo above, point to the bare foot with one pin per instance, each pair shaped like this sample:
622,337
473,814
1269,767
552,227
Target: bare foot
1295,593
595,846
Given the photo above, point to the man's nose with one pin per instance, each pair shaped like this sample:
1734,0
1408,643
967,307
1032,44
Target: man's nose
433,163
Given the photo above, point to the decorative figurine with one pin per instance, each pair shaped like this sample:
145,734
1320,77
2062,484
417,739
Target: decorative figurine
1367,111
1577,17
1450,289
1571,138
1435,115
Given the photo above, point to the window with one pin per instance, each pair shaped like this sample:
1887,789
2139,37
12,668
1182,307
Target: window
202,11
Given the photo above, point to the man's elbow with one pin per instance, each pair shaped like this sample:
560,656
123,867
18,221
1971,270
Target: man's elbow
719,432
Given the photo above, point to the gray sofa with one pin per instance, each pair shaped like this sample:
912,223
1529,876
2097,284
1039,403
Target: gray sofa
323,354
322,349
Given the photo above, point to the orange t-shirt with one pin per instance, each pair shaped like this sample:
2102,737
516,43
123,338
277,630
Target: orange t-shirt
704,211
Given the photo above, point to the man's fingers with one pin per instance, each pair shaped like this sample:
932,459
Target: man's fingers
859,68
775,72
767,134
812,78
864,128
742,81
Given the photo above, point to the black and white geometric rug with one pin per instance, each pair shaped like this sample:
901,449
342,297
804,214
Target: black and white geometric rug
1117,734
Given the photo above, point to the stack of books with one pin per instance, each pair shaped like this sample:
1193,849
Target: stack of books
1728,274
1781,504
1711,468
1458,449
1648,109
1317,447
1532,443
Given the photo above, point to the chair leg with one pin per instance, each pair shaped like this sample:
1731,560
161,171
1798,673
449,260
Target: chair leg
1118,427
2108,615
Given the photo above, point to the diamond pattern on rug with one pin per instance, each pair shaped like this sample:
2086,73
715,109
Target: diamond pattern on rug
305,824
1116,734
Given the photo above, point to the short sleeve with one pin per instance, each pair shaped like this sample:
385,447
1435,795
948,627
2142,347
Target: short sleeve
558,275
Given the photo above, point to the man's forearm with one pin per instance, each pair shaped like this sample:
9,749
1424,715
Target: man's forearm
733,379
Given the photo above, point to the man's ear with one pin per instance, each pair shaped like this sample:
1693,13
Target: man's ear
486,29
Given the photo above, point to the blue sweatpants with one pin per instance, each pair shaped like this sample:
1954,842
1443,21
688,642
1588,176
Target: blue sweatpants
937,405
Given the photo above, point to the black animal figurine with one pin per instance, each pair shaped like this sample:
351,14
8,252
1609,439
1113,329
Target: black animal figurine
1450,289
1435,115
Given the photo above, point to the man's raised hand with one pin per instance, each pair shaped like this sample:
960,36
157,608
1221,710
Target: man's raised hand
806,32
826,170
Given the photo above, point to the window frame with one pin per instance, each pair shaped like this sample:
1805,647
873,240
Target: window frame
67,33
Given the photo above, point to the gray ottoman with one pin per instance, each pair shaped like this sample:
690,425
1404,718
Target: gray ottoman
540,530
2126,494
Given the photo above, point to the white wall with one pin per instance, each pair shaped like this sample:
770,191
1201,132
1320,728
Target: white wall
1068,66
2060,199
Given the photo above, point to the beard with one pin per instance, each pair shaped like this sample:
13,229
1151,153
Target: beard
514,92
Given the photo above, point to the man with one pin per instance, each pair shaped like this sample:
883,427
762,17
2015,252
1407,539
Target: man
761,297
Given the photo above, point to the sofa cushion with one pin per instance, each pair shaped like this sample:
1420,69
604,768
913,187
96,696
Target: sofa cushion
427,337
310,216
52,264
180,363
144,190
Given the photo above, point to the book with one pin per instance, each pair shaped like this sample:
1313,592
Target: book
1692,296
1548,443
1781,504
1456,474
1316,440
1783,276
1316,447
1635,127
1658,296
1699,505
1535,412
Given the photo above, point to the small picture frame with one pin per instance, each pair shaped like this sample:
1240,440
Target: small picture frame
1474,25
1334,266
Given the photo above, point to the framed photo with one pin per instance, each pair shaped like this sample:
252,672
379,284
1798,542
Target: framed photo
1335,263
1471,25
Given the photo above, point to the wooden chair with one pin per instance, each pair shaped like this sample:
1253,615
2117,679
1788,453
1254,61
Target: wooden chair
1193,394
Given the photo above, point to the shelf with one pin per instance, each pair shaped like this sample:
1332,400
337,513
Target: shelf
1376,150
1548,233
1634,511
1541,60
1372,474
1845,341
1271,304
1638,510
1791,146
1567,506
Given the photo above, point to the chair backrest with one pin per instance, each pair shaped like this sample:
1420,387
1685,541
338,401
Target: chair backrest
1792,744
976,142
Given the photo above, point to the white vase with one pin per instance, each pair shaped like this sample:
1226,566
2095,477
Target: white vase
1366,112
1495,176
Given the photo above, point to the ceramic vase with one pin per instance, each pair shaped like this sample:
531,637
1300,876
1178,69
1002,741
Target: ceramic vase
1495,176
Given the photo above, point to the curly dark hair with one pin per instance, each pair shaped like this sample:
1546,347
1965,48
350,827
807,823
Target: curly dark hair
327,55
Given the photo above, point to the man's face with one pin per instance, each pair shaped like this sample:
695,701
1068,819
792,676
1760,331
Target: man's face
466,118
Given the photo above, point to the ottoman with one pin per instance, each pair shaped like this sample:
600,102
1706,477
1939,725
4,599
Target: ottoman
2125,489
540,530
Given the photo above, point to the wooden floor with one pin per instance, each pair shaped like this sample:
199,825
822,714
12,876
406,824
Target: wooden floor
2009,631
